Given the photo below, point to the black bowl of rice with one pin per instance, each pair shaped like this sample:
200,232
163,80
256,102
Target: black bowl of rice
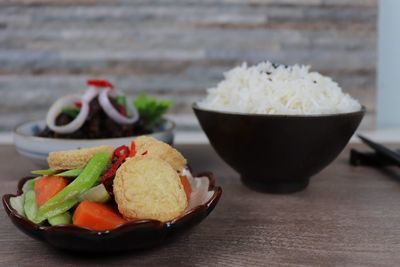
278,125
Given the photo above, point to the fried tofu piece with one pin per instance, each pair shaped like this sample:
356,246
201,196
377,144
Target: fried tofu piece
74,159
150,146
149,188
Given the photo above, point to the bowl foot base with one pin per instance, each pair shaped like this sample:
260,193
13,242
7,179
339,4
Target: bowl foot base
275,187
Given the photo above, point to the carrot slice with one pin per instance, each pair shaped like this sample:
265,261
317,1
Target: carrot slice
97,216
47,186
186,186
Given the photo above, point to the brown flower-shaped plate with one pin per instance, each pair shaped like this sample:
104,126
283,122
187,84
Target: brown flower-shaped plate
133,235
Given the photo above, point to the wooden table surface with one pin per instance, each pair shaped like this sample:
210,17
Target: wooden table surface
348,216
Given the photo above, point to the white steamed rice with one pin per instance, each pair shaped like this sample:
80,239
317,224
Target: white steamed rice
269,89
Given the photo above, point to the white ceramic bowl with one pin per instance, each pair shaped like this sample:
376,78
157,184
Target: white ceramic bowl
37,148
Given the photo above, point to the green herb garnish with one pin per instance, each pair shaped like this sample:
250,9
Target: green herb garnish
151,109
120,101
71,112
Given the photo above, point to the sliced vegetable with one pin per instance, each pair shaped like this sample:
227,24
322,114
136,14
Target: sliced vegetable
186,172
121,152
200,191
71,112
78,104
122,110
17,203
96,194
97,216
47,186
68,197
186,186
61,219
70,173
104,100
119,156
44,172
121,104
30,207
110,173
100,83
132,152
120,100
30,184
151,109
59,209
57,108
88,96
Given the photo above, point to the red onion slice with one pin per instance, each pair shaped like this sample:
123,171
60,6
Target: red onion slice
56,109
91,93
109,109
66,101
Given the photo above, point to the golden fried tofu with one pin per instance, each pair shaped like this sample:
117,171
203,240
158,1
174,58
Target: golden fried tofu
74,159
149,188
150,146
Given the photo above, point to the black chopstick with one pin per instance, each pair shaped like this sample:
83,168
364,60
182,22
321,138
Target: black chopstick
373,159
380,149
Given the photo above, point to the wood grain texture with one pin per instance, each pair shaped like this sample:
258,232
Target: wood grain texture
175,48
348,216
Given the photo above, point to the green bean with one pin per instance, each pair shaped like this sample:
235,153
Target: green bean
30,207
61,219
68,197
70,173
44,172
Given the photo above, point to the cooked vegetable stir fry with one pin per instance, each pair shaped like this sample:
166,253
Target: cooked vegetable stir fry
147,180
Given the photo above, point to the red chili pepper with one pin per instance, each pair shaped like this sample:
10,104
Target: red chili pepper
122,152
78,104
122,110
100,83
119,156
110,173
133,149
144,153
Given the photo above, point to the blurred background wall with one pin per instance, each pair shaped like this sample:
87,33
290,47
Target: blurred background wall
175,48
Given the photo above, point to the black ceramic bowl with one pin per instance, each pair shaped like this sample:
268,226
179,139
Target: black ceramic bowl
278,153
133,235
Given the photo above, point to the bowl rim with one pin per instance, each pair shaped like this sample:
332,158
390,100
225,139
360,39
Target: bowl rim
170,126
155,224
362,111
